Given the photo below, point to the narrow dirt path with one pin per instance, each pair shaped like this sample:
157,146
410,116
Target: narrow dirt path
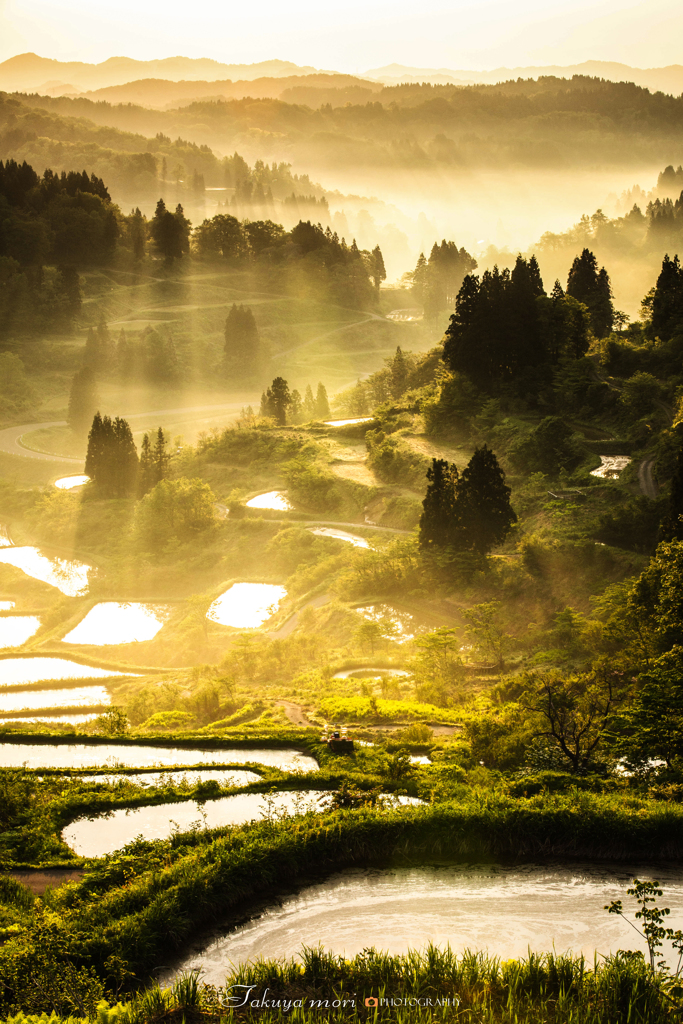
646,479
294,713
292,622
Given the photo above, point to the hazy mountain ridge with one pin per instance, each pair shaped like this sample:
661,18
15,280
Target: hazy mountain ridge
28,71
665,79
159,92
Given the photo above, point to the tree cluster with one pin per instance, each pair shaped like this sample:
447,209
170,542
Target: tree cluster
436,281
505,323
281,404
469,511
112,458
242,350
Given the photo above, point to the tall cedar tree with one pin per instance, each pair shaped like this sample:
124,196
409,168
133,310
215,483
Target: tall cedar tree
483,503
378,271
276,400
241,352
322,405
112,460
83,400
170,232
592,287
154,462
471,512
439,520
667,301
672,524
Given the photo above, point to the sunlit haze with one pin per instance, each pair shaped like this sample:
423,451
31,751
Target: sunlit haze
353,36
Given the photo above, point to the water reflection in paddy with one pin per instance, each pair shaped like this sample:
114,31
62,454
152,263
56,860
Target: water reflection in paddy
104,834
351,538
66,483
272,499
399,623
114,622
611,466
504,910
69,576
5,541
246,605
369,673
58,719
14,671
15,630
86,755
241,777
6,606
347,423
33,700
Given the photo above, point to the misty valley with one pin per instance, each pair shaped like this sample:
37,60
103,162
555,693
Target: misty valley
341,547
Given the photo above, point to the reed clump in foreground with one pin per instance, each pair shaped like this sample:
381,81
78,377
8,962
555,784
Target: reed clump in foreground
419,987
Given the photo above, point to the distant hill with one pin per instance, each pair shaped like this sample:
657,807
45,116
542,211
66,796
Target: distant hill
30,73
668,79
160,93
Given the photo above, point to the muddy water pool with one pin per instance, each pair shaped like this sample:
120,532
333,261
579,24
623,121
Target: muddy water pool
108,832
246,605
91,755
611,466
506,910
67,575
115,622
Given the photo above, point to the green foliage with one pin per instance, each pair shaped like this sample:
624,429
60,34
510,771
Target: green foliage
16,393
175,510
112,459
550,447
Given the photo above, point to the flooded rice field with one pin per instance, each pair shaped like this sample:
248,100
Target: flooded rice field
348,423
275,500
15,671
113,829
112,755
67,483
400,625
505,910
34,700
246,605
115,622
67,575
7,606
5,541
49,719
350,538
370,672
15,630
240,777
611,466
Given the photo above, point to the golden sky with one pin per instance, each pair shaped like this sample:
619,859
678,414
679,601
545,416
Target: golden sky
354,36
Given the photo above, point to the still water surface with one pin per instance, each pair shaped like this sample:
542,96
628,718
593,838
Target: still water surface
6,606
503,909
91,755
611,466
401,623
14,671
351,538
223,778
15,630
272,499
63,719
33,700
346,423
69,576
246,605
65,483
114,622
108,832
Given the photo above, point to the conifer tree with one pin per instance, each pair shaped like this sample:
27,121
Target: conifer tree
592,287
484,512
667,301
322,405
112,460
439,519
419,277
295,407
399,373
277,400
378,270
91,353
242,349
309,403
83,399
146,467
